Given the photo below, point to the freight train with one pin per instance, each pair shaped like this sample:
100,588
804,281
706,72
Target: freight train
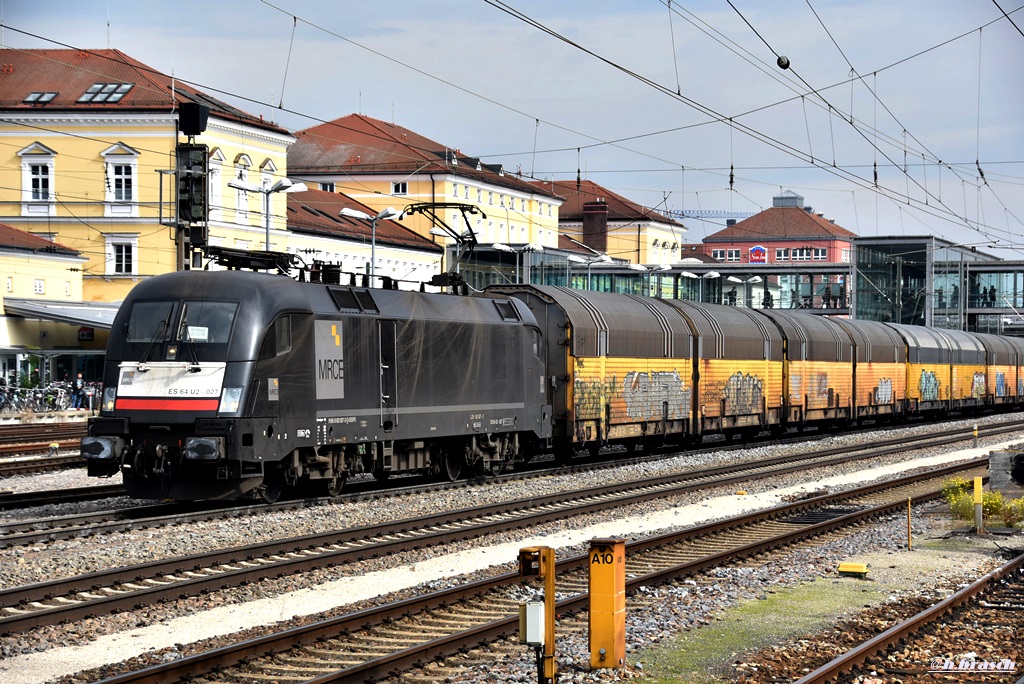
236,384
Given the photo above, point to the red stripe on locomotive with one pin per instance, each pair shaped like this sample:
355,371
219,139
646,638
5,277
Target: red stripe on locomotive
130,404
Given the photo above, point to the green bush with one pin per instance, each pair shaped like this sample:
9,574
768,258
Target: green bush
954,488
1013,512
992,505
962,506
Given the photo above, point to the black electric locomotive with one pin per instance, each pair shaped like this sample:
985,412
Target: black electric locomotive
226,384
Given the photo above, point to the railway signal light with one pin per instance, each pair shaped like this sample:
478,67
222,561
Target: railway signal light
192,196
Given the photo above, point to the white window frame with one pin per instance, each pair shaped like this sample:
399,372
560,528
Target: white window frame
116,242
123,156
819,254
718,254
845,258
733,255
39,286
241,196
214,184
400,188
782,254
42,157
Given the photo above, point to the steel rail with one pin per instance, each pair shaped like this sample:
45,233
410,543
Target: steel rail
252,562
879,643
66,527
9,500
228,656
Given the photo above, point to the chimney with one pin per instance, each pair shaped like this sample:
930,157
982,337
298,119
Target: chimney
595,225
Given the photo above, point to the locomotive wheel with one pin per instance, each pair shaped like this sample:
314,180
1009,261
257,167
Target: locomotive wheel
332,486
452,465
271,490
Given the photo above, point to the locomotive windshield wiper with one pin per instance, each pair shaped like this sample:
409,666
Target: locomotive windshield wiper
160,329
193,366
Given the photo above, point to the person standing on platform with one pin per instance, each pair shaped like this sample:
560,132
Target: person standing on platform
77,390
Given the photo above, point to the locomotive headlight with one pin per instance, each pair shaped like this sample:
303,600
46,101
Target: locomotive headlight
230,400
109,395
203,448
103,448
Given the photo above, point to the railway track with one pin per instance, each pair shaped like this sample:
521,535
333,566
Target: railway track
12,500
23,608
983,617
66,527
36,438
382,641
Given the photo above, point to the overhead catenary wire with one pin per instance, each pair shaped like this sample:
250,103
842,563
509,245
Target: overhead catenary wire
537,120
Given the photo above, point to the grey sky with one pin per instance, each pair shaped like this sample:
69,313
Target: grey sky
471,76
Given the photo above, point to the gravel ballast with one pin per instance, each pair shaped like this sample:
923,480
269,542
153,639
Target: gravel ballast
61,650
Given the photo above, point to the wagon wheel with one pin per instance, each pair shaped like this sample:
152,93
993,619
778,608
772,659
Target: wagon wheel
332,486
381,475
270,490
453,463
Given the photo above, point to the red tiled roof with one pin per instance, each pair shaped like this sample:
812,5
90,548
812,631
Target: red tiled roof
70,73
782,223
318,212
357,144
12,238
619,207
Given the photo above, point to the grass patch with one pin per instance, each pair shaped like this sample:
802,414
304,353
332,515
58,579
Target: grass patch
704,655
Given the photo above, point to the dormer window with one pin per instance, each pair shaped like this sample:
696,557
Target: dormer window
39,98
106,92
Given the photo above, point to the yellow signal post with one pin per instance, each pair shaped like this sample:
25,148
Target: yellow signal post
607,603
979,520
539,561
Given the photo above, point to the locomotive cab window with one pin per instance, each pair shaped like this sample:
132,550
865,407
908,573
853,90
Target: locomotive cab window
279,338
206,322
157,330
149,322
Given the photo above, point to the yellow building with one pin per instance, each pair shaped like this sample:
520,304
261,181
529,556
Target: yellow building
383,165
611,224
35,275
90,140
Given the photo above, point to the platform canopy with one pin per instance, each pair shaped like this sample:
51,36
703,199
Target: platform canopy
93,314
